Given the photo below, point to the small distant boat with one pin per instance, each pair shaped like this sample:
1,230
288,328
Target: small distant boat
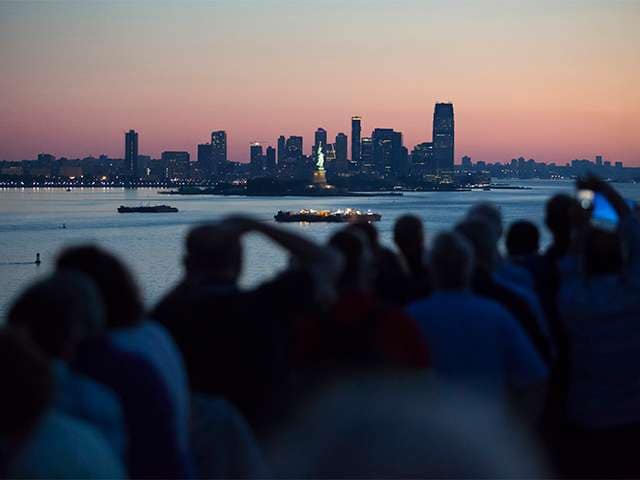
148,209
335,216
68,189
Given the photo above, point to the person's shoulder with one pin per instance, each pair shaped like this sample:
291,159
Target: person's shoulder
154,330
486,307
96,392
172,301
63,446
289,277
439,302
292,285
421,306
107,359
70,427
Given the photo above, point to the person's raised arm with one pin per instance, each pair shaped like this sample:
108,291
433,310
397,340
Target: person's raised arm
592,182
305,251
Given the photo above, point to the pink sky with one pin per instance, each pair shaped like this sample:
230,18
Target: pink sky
543,79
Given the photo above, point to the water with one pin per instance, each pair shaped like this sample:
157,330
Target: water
151,244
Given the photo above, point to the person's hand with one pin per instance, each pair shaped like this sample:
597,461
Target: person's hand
595,184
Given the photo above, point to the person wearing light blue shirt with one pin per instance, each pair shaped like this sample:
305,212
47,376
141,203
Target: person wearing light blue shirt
473,341
84,399
59,314
64,447
152,342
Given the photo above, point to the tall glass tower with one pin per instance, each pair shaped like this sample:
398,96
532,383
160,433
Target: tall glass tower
218,151
443,137
282,148
320,138
356,130
131,153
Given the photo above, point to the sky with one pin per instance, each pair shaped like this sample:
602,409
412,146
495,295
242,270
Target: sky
552,80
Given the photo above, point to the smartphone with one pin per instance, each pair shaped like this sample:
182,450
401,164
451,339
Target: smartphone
603,215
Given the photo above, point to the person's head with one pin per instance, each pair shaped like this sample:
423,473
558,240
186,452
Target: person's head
482,238
558,217
358,269
490,213
214,253
523,238
451,261
408,235
370,231
27,384
59,313
114,281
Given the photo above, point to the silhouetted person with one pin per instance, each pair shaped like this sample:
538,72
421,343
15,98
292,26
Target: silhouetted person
558,221
523,240
59,313
36,440
483,241
359,333
38,261
157,431
599,305
236,343
391,277
506,271
559,212
408,235
472,340
131,332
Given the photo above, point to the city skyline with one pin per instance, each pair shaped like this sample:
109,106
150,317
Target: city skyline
549,80
219,140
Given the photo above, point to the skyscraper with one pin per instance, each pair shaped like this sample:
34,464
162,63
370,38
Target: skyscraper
270,161
256,160
443,136
320,138
282,148
400,166
177,163
341,152
387,152
205,163
366,158
218,151
131,153
293,147
422,158
356,130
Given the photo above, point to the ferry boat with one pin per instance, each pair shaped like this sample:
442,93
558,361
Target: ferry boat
147,209
332,216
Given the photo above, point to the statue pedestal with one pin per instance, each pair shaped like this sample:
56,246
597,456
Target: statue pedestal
319,178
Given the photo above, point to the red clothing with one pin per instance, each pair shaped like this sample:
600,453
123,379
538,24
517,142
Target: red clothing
360,331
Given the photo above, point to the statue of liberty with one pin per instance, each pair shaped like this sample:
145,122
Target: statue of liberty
319,179
320,162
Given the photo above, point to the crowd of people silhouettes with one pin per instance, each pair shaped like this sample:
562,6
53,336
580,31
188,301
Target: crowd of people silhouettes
447,358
